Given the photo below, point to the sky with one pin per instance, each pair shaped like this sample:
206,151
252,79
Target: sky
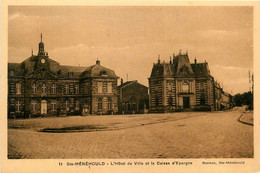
129,39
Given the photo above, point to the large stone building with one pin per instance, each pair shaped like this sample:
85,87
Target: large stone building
181,85
133,97
40,86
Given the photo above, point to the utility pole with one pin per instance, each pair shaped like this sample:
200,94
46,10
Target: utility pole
249,82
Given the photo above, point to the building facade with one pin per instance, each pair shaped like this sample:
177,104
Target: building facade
40,86
180,85
133,98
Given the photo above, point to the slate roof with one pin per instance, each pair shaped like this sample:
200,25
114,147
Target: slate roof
16,68
124,84
99,71
62,70
77,70
201,69
172,69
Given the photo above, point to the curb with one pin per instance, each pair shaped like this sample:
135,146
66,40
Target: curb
251,124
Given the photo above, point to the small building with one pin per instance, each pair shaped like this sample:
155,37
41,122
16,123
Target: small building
133,98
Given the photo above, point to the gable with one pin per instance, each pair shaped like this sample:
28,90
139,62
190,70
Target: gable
43,74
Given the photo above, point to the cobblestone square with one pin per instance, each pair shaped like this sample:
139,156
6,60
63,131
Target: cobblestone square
175,135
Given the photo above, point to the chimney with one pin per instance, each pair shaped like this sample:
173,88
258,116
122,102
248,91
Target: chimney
122,81
195,61
98,62
170,60
180,52
158,59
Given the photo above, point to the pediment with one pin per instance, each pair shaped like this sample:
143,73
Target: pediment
184,72
43,74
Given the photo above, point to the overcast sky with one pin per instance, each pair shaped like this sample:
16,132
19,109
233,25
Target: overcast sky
129,39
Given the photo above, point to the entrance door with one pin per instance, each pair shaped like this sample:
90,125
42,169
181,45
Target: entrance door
186,102
43,107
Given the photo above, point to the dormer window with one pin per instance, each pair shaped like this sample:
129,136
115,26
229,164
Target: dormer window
70,74
103,73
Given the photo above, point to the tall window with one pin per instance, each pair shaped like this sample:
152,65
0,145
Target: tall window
77,105
109,87
34,88
170,100
201,86
53,88
34,105
100,103
18,106
202,99
185,87
156,101
18,88
44,89
66,88
100,87
110,103
53,105
169,86
67,105
77,88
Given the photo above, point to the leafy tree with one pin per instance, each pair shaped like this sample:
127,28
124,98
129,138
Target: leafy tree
238,100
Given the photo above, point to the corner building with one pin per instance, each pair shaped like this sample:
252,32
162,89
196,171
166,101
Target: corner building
179,85
40,86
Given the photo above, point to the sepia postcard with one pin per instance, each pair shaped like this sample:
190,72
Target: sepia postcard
134,86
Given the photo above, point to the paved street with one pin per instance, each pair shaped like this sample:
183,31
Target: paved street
178,135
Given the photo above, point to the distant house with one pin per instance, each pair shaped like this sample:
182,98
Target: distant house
223,100
133,97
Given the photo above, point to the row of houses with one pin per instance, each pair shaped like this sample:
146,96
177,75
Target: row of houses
40,86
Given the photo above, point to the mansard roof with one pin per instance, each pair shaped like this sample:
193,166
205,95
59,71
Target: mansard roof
201,69
177,67
35,63
16,69
99,71
77,70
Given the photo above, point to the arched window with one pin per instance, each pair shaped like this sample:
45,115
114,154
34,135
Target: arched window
185,87
100,103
